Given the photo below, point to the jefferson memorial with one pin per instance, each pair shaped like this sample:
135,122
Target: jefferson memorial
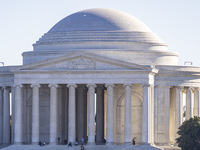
100,75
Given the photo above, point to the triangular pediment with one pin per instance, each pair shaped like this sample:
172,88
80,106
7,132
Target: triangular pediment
83,61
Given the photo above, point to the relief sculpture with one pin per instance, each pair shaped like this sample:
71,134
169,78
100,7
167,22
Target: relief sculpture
81,64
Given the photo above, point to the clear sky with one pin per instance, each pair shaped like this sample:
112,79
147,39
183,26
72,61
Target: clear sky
23,22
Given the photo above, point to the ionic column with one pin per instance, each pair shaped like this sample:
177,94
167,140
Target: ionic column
13,115
178,109
35,113
197,102
18,114
109,121
127,114
146,119
189,104
6,115
72,117
53,113
167,112
91,113
100,114
1,115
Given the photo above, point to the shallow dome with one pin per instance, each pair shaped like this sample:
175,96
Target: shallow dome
100,19
106,32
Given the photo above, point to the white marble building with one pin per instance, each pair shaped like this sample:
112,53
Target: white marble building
103,60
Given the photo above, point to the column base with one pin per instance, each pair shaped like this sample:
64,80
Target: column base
18,143
91,143
144,143
127,143
109,143
35,143
53,143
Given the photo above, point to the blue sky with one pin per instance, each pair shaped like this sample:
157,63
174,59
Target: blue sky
23,22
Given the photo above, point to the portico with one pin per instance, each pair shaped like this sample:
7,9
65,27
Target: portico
109,82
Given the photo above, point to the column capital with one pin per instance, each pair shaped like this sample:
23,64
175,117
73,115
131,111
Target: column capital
197,88
18,85
91,85
146,85
127,84
53,84
5,87
35,84
189,88
109,85
72,84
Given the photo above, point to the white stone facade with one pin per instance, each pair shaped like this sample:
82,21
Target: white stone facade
103,60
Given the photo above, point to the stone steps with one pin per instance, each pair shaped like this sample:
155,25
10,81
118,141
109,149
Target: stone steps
87,147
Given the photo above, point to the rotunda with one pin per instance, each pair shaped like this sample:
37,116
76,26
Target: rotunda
99,76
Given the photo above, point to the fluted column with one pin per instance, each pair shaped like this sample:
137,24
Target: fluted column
109,121
53,113
189,104
6,115
72,117
18,114
178,109
197,102
35,113
146,119
167,112
100,114
13,115
127,114
91,113
1,115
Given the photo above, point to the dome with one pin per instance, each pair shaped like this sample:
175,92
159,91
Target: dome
100,28
100,19
106,32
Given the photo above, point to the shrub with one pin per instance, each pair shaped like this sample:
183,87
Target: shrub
189,132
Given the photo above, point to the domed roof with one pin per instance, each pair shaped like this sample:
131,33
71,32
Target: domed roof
99,29
100,19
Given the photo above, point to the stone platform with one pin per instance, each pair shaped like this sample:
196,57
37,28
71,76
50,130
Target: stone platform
87,147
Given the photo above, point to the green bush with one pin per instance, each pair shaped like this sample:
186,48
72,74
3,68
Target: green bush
189,132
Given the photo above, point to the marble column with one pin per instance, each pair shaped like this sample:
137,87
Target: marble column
53,113
189,103
1,115
127,114
6,115
91,113
100,115
197,102
166,113
18,114
146,120
81,110
72,114
110,109
13,115
35,113
178,109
